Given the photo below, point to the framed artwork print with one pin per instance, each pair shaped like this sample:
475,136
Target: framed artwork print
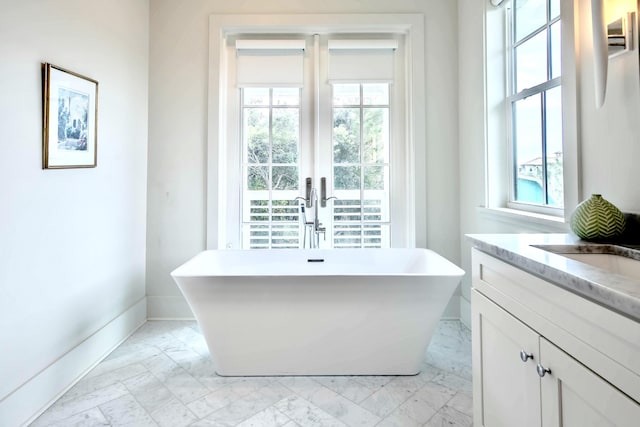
70,119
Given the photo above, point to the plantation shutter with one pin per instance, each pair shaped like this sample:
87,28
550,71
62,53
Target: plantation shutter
270,63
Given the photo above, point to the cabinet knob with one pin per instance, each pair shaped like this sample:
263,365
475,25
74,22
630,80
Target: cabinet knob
542,371
524,356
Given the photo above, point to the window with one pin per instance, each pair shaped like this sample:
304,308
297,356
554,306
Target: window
361,165
246,204
271,164
535,104
330,124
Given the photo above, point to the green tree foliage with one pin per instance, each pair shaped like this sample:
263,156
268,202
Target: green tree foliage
283,148
348,174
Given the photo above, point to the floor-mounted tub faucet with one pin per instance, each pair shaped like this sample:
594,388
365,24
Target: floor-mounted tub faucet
314,228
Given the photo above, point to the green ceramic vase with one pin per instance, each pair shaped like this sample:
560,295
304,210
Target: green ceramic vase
597,219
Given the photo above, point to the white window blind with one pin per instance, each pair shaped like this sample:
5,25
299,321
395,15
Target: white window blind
270,63
361,61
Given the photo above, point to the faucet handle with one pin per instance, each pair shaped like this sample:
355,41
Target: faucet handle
323,230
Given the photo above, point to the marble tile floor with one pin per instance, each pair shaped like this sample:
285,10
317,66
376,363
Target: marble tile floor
163,376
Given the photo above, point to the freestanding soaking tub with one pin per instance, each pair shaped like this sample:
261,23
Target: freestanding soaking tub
318,312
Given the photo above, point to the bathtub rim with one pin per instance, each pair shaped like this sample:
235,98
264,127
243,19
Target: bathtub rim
452,270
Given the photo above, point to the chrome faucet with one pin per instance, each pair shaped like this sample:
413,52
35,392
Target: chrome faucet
314,228
317,225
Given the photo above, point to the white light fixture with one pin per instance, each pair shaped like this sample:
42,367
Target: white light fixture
600,51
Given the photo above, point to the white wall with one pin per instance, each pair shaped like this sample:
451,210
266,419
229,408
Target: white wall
72,242
178,129
608,143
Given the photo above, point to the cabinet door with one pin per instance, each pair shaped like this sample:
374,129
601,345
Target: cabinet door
506,388
572,395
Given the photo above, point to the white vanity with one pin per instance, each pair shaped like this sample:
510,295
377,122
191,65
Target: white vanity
556,339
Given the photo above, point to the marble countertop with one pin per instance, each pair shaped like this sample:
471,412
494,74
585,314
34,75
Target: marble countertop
616,292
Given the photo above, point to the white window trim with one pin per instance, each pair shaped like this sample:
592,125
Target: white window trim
497,140
410,24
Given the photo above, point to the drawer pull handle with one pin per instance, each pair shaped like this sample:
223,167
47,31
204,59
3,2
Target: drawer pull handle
524,356
542,371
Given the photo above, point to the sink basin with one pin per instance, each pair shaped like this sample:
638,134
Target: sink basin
617,264
614,259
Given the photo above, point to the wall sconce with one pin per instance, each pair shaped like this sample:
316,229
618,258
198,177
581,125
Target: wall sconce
600,51
620,36
609,40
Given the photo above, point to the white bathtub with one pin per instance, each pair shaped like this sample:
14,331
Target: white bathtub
318,312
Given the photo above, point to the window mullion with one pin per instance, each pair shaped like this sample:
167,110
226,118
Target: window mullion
361,165
270,160
543,112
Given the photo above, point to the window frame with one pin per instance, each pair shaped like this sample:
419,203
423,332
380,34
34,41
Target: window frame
514,96
499,164
413,178
385,225
246,238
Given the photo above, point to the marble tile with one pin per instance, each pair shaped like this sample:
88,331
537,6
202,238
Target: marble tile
247,385
414,411
242,409
269,417
343,409
203,369
123,358
182,385
445,360
159,364
399,419
383,402
90,384
448,416
126,411
275,392
213,401
304,387
163,375
453,381
374,382
181,354
306,413
173,414
150,392
66,408
90,418
348,387
391,395
192,339
423,404
462,402
214,382
434,395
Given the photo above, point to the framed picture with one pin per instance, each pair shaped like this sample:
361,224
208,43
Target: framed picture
70,119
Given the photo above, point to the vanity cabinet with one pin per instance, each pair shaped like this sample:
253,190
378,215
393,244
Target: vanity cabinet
542,357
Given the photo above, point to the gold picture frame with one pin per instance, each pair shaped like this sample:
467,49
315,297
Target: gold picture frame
70,119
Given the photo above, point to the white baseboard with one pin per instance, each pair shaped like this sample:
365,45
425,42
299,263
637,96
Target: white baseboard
168,307
465,312
30,400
